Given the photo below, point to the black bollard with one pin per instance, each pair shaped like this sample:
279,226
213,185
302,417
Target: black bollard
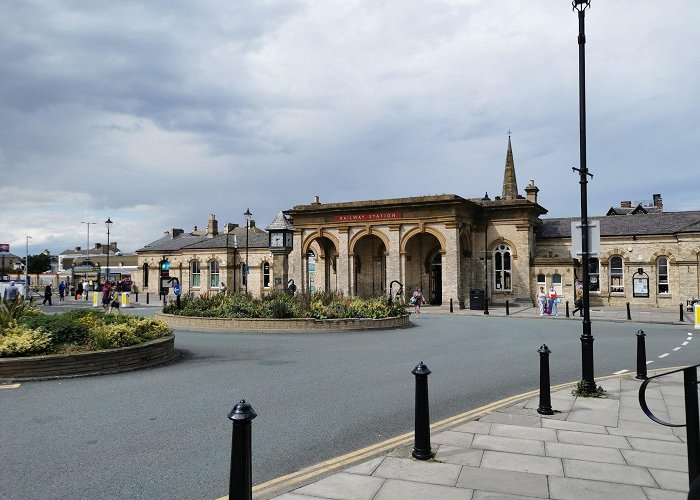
567,308
137,296
421,447
680,307
629,315
545,407
451,310
486,305
507,308
240,484
641,356
147,296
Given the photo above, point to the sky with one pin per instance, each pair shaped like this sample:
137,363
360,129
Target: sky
158,114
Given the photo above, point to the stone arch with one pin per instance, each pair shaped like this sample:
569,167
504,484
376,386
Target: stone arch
367,232
316,235
502,241
662,253
605,257
424,229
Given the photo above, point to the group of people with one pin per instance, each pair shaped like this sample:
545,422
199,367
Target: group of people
547,302
110,297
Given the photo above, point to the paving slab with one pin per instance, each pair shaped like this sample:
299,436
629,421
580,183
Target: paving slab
670,480
593,439
649,426
583,452
515,483
491,495
515,445
656,460
656,494
633,433
637,415
522,432
474,427
407,490
522,463
588,416
343,486
573,426
512,418
427,471
596,471
657,446
367,467
566,488
459,455
453,438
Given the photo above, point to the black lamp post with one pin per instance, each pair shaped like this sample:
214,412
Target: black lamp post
108,223
486,251
588,382
248,215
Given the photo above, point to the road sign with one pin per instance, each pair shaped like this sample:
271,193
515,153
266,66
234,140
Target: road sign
593,238
177,290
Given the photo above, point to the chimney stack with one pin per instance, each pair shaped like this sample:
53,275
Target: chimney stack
212,226
658,202
531,191
626,204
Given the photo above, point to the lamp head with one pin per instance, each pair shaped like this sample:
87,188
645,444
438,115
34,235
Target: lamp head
247,214
581,5
108,222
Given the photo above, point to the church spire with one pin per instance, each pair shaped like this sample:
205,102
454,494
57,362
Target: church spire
510,185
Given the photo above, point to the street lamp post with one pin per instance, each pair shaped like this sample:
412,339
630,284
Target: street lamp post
26,269
248,215
108,223
486,251
588,382
87,258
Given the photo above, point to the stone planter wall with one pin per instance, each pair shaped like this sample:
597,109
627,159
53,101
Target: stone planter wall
151,353
257,325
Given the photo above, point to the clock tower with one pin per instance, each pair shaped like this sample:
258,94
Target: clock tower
281,234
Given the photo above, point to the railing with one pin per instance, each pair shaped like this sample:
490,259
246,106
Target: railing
692,422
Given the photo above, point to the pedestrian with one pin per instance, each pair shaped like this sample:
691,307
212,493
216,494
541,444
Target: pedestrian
106,295
79,291
552,297
578,302
11,292
540,300
114,300
86,287
47,294
62,292
417,299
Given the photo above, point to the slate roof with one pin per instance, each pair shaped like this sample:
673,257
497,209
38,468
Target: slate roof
258,239
630,225
280,223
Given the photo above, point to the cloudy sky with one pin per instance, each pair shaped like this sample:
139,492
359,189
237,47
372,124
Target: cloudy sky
157,114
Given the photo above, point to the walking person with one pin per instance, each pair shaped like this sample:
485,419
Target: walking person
86,287
11,292
47,294
417,300
541,299
552,297
79,291
114,300
578,302
62,292
106,295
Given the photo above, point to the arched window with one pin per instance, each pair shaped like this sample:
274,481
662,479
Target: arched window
662,274
213,274
617,275
502,268
266,274
593,274
145,274
195,274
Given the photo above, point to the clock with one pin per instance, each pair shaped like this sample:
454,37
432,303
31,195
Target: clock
276,240
288,240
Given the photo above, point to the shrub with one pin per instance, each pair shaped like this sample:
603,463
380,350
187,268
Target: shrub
13,311
150,329
20,340
66,327
115,335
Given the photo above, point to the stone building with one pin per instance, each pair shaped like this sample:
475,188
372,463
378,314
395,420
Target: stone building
456,249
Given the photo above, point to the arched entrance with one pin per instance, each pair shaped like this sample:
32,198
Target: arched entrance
321,266
424,266
369,267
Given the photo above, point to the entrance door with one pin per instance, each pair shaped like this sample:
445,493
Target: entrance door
435,280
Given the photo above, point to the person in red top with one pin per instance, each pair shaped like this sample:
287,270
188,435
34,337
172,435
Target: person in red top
106,295
552,297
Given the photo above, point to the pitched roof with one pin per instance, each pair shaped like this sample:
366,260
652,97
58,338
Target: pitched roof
236,238
632,225
280,223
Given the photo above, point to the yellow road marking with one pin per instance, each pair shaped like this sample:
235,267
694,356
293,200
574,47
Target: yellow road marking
9,386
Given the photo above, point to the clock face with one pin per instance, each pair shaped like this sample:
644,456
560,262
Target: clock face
288,240
276,239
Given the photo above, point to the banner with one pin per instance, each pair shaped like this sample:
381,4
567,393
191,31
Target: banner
4,247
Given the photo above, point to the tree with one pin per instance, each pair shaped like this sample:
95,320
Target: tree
39,263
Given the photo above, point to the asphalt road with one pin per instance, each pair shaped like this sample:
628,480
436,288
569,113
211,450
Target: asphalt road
163,432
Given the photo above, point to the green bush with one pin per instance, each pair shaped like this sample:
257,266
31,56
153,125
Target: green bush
64,328
13,311
20,340
115,335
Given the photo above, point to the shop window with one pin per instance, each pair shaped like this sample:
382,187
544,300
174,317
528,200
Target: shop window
195,274
593,274
266,274
617,275
662,274
502,268
213,274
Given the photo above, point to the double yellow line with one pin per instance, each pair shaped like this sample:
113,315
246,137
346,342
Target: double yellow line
284,483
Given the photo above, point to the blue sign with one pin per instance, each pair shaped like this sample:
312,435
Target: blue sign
177,290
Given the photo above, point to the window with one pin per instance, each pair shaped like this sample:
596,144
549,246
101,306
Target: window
244,275
502,268
662,274
541,280
145,275
593,274
213,274
617,275
556,283
194,274
266,274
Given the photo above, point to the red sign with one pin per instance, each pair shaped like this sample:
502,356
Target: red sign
368,217
4,247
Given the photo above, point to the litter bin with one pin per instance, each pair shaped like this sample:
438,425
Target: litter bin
476,300
126,299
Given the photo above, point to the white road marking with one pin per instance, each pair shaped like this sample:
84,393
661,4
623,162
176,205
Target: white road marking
685,343
9,386
664,355
649,362
676,348
620,372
